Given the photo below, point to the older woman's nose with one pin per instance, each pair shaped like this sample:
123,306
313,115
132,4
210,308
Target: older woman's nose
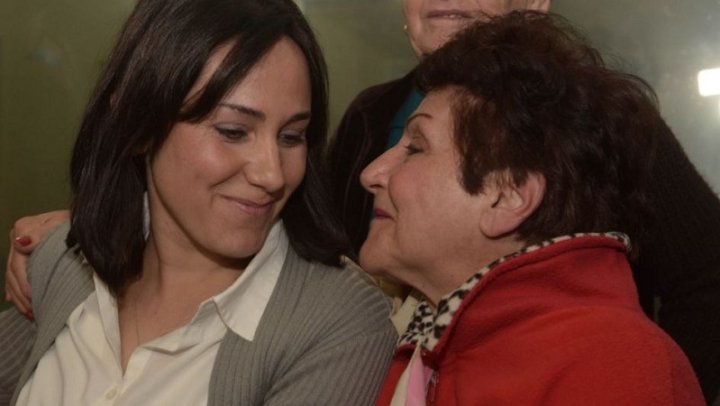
375,175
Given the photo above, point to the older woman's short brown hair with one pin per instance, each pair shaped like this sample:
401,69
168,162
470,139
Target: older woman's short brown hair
533,96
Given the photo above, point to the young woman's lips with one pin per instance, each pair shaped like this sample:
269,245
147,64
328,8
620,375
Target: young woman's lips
251,207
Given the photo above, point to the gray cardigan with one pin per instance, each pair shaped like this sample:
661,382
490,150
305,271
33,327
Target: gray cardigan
325,337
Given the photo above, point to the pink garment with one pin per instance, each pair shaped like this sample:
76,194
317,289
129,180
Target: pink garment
418,380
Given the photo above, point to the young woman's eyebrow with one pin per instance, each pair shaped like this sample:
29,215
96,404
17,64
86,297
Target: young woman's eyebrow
244,110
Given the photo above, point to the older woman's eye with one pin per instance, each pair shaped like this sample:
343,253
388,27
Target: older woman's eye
292,139
411,149
231,133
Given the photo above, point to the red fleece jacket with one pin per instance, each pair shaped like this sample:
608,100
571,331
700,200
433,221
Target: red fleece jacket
557,326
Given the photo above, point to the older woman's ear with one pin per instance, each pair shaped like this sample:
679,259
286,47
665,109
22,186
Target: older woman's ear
509,204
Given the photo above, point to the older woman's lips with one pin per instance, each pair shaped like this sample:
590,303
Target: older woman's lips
380,214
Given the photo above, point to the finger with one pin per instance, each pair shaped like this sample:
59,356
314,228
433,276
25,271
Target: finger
16,283
21,304
28,231
23,244
20,240
8,293
17,268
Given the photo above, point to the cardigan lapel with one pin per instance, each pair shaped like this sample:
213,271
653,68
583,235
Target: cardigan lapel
65,290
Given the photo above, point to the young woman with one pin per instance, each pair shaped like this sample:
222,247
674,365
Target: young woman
201,264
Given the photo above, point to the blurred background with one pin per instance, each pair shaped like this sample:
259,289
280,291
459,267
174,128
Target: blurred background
51,52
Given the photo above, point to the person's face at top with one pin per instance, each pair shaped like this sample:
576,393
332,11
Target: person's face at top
217,186
430,23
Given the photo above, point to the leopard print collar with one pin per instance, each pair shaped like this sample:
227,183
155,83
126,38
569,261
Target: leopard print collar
428,325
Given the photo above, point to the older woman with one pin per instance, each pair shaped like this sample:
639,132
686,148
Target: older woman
233,291
510,202
679,262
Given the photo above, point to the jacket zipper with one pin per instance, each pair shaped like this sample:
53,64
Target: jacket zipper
432,390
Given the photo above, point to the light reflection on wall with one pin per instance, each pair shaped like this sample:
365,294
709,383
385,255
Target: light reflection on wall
709,82
666,42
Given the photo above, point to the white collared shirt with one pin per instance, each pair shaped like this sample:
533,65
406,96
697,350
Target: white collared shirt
83,366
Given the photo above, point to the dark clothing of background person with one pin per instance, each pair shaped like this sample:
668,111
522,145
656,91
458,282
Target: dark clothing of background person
679,259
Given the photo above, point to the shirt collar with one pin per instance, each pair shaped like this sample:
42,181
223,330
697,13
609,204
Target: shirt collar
242,305
428,325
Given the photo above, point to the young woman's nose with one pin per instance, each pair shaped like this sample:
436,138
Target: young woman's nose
264,168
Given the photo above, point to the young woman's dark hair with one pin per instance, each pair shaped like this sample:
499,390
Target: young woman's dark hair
141,95
534,96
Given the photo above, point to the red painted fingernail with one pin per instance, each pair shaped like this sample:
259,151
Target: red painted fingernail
30,315
23,241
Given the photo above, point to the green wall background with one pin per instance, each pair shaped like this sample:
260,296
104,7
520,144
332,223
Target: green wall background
50,55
